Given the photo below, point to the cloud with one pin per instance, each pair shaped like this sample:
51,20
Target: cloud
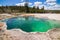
41,6
22,0
50,0
0,5
48,5
38,4
55,7
23,4
30,3
51,5
20,4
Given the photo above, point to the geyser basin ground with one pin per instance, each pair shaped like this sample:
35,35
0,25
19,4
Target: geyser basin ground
32,24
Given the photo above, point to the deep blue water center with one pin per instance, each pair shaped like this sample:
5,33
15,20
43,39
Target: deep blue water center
32,24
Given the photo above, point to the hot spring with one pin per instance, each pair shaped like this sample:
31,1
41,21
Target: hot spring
32,24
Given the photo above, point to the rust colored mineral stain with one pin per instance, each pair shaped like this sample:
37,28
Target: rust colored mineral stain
1,25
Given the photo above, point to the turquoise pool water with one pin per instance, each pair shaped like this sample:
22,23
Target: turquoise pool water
32,24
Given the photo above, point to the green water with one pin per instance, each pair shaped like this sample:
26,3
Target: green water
32,24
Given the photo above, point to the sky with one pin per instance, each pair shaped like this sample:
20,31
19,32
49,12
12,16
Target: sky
48,4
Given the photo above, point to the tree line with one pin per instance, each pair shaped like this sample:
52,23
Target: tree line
25,9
